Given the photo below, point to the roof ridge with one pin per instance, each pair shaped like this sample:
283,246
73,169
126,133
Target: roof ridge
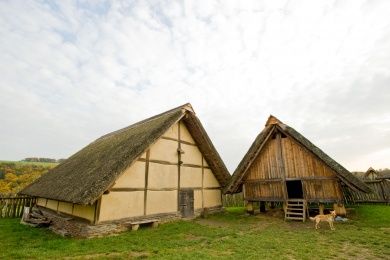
185,107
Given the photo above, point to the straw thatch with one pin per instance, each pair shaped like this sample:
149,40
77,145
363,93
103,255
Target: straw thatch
273,124
86,175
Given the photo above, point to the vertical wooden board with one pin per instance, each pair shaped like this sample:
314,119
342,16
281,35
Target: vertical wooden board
162,176
198,199
120,205
41,202
65,207
52,204
209,180
212,198
161,202
164,150
275,170
190,177
172,132
84,211
191,155
133,177
185,134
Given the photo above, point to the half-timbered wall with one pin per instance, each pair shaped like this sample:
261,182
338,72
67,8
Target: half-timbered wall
82,211
282,159
151,184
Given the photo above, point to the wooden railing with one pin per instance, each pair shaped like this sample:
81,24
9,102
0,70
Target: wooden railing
12,207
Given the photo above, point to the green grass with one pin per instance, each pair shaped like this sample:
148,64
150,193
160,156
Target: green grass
232,235
44,164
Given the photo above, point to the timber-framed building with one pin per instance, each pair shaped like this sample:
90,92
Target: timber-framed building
161,168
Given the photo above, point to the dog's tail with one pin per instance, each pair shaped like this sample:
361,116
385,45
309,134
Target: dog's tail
312,219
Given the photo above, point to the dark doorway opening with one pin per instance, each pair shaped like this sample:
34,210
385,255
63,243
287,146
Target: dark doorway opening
294,189
186,203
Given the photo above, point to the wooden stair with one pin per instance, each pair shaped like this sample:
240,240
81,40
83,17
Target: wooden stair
295,209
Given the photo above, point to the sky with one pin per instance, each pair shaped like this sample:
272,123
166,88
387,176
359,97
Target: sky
72,71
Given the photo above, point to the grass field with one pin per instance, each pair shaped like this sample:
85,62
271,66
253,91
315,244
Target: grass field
232,235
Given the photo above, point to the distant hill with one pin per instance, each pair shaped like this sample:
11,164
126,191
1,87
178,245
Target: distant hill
15,175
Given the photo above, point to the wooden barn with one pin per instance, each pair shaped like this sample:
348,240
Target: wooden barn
283,166
161,168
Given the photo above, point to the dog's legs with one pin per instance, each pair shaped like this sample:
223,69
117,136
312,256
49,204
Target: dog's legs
331,225
317,224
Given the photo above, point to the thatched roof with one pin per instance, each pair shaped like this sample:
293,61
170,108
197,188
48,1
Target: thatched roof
273,124
370,171
86,175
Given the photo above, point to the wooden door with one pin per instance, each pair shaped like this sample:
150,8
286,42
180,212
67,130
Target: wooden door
186,200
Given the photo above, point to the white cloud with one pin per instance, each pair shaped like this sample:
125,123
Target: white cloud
72,71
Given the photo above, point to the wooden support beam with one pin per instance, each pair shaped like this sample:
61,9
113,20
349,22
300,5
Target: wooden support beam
146,180
249,208
280,163
176,140
179,162
321,207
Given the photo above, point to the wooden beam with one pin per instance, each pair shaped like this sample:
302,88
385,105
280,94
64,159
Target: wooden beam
146,179
202,182
97,210
172,163
254,181
176,140
178,165
280,163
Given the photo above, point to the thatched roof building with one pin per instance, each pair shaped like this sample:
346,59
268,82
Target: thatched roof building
283,165
128,162
274,126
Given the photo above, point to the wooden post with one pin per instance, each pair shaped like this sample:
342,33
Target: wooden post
262,206
272,206
340,209
179,162
321,207
280,163
146,180
249,208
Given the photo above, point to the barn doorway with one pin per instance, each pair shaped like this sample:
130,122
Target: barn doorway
186,203
294,189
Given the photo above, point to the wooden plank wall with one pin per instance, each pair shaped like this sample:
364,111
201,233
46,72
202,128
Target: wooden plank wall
265,179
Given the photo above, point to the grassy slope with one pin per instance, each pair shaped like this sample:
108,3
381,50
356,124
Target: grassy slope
44,164
228,235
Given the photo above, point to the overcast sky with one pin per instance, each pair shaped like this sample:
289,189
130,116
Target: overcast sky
72,71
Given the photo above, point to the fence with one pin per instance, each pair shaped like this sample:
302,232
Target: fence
380,193
12,207
233,200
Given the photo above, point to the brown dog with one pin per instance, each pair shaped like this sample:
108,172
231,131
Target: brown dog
329,218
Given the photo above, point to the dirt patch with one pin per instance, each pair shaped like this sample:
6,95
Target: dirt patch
349,251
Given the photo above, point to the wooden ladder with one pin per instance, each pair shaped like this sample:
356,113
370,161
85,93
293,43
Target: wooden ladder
295,209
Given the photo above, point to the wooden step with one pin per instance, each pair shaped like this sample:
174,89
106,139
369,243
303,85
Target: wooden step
295,213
